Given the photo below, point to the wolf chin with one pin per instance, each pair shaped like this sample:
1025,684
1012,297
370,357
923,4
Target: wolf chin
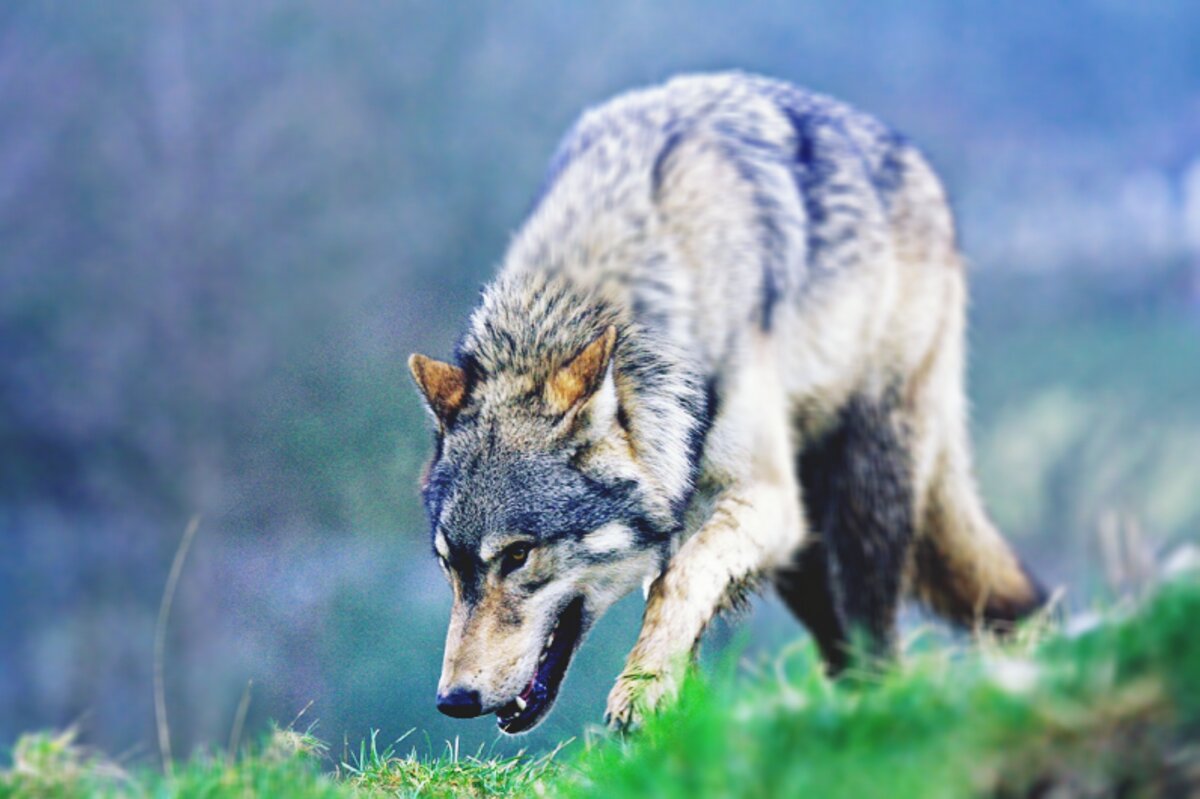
725,349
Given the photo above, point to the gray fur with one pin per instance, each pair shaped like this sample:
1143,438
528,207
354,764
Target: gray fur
780,272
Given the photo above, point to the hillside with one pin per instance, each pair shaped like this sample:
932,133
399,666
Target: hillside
1113,709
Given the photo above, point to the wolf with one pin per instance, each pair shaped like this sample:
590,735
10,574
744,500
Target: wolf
724,350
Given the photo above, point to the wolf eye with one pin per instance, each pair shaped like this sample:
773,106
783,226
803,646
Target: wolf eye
514,557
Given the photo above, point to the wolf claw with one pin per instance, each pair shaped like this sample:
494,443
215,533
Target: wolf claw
635,697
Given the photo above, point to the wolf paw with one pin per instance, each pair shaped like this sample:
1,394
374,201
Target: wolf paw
635,696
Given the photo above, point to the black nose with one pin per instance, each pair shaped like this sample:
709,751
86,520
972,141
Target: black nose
460,703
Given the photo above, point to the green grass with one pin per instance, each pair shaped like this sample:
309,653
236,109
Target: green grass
1112,711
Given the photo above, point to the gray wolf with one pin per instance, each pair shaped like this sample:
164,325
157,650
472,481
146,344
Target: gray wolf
725,349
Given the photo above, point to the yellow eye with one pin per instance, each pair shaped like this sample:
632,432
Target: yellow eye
514,557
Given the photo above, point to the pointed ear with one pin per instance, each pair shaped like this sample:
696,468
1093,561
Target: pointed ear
444,386
580,378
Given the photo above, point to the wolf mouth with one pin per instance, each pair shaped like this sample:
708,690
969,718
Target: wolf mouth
528,708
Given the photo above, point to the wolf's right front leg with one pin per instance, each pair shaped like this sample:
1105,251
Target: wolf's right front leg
751,530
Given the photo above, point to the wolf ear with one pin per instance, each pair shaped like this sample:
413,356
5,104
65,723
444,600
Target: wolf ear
583,374
443,385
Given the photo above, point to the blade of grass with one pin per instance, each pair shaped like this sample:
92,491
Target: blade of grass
160,639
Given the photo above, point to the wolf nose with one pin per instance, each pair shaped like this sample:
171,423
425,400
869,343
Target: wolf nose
460,703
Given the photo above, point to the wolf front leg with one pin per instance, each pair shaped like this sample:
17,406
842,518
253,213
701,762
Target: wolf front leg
750,531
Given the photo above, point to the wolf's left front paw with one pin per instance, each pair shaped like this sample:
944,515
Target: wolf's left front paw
635,696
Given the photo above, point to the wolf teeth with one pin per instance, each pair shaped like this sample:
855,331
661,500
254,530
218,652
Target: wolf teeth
521,703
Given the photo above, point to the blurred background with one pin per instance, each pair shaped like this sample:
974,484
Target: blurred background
225,224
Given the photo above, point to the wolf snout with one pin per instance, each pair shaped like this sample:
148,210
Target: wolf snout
460,703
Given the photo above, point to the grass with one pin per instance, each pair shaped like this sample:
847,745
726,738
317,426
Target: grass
1114,710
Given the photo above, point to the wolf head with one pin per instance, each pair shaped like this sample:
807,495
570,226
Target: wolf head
540,522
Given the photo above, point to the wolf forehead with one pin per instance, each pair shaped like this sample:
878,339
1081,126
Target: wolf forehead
479,489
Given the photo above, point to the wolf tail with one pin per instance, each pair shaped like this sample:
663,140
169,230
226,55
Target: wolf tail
963,569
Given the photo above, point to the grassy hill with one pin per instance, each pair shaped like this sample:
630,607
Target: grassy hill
1113,709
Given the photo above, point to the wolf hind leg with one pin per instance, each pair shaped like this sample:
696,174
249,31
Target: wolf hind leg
858,496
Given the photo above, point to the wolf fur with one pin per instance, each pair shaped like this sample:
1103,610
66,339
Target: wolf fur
725,347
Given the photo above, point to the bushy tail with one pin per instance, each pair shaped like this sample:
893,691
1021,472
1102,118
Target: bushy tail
963,569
